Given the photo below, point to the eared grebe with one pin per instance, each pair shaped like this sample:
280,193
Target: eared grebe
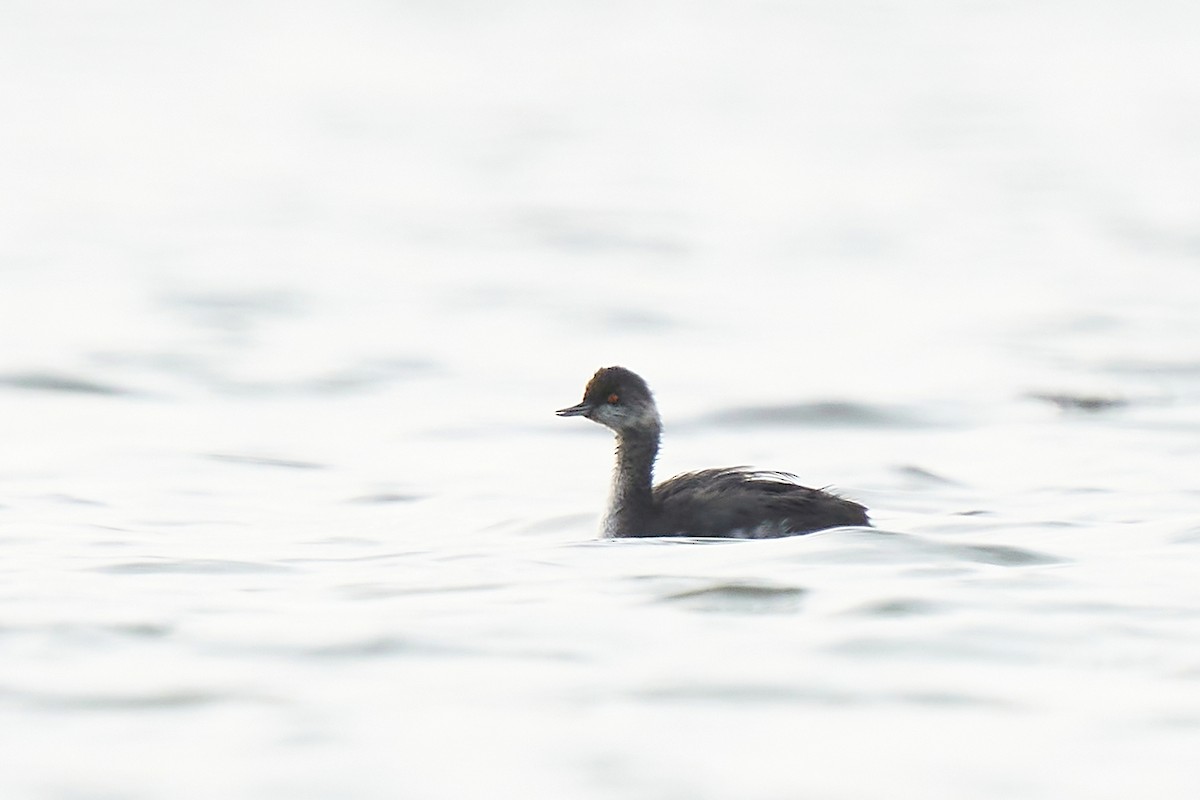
735,503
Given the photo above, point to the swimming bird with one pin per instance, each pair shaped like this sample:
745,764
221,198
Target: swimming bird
735,502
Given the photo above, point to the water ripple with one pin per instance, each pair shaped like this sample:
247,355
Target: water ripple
58,382
213,566
823,413
264,461
167,699
741,597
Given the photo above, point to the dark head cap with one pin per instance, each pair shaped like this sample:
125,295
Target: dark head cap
617,398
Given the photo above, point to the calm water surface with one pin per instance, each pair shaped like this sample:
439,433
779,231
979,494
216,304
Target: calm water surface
288,297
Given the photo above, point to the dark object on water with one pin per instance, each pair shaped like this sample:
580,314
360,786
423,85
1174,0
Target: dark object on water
734,503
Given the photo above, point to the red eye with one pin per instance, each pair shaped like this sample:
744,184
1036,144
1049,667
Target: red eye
613,398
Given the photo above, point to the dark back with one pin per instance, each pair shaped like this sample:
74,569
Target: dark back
742,503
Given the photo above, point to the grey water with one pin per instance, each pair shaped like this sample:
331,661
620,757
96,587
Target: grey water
289,294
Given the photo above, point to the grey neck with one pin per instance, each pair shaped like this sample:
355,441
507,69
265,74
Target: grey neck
631,505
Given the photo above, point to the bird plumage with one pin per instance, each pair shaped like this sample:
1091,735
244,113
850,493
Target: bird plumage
733,502
744,503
